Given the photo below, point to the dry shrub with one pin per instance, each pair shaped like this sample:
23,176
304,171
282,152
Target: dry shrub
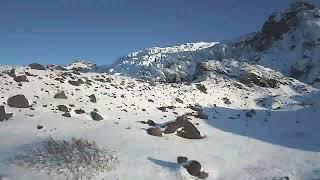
76,159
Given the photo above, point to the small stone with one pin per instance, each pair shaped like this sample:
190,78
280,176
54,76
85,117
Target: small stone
39,127
203,175
66,114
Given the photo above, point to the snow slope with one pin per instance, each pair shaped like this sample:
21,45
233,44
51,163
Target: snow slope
281,139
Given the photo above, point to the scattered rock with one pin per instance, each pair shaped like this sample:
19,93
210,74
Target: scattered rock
95,116
22,78
226,100
76,83
18,101
201,88
12,72
60,95
162,108
66,114
63,108
179,100
79,111
37,66
39,127
93,98
155,131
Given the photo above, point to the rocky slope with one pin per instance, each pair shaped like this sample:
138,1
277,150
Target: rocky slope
288,43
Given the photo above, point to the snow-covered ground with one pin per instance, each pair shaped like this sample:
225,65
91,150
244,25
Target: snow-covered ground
280,139
255,101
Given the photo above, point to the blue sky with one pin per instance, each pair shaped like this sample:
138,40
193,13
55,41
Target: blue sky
58,31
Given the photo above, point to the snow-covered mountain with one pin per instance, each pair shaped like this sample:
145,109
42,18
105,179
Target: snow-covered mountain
289,42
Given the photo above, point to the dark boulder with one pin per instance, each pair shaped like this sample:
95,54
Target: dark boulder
201,88
93,98
79,111
22,78
63,108
18,101
188,130
37,66
95,116
193,167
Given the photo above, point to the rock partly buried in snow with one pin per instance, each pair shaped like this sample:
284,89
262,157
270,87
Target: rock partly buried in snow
79,111
93,98
188,130
63,108
95,116
60,95
37,66
201,115
179,100
18,101
12,72
22,78
76,83
4,115
66,114
155,131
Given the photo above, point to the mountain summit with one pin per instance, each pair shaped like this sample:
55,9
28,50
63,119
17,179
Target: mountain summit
288,43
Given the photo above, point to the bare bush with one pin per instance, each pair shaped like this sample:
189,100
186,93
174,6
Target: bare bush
76,159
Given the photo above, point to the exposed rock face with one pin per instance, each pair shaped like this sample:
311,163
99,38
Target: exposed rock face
60,95
37,66
22,78
18,101
95,116
155,131
251,79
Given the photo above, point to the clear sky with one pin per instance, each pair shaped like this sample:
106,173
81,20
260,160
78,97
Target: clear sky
58,31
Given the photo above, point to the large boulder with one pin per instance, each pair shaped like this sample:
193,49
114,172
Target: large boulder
22,78
37,66
18,101
188,130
